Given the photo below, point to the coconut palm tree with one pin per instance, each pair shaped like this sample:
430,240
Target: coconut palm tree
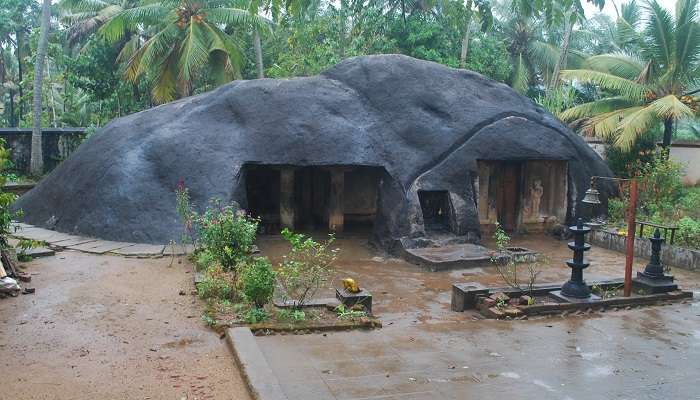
534,50
186,38
640,92
36,162
85,17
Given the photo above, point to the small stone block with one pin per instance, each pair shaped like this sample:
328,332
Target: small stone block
493,312
525,300
350,299
39,252
557,295
664,284
512,312
464,295
488,302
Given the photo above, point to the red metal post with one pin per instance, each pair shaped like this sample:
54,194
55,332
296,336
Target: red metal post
631,217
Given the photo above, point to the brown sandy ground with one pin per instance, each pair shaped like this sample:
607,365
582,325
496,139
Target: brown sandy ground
108,327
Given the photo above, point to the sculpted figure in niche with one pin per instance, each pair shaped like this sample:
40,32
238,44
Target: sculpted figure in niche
532,209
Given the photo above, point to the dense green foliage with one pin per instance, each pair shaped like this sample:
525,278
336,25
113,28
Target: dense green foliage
108,58
258,281
306,268
662,199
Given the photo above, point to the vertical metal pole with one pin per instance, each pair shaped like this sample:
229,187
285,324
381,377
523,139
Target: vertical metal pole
631,217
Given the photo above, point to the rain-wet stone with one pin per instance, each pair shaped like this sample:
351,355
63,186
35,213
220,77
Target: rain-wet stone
424,125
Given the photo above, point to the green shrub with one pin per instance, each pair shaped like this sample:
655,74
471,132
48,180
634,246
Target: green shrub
660,187
255,315
688,234
217,284
616,209
258,281
6,199
625,164
690,203
204,260
306,268
226,233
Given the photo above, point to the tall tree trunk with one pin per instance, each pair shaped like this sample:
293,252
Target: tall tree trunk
465,40
20,72
258,54
12,121
37,157
668,134
561,62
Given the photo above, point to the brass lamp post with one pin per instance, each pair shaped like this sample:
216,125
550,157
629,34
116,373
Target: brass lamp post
592,197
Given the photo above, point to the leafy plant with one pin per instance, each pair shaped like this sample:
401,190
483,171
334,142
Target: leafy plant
227,234
258,281
204,259
661,186
256,315
345,313
217,284
306,268
616,209
186,213
508,269
688,233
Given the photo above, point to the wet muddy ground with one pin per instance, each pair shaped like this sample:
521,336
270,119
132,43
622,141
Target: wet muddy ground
426,351
107,327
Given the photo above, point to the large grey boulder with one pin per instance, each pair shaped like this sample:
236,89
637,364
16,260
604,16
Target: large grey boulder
424,123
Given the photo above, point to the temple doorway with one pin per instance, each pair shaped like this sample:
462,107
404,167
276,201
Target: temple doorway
522,196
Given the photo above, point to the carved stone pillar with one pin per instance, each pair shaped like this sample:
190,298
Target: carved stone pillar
287,197
336,210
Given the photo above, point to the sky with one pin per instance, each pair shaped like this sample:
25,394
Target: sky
610,8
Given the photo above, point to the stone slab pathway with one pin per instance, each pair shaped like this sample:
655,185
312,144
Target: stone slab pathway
94,245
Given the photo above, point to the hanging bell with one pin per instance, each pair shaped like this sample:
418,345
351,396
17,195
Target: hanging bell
591,197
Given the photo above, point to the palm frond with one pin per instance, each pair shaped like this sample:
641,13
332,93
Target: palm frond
617,64
670,107
194,52
625,87
659,30
594,108
237,16
165,84
687,36
544,54
635,125
84,5
519,81
606,125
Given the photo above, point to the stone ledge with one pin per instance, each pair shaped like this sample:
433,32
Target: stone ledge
256,372
674,256
59,240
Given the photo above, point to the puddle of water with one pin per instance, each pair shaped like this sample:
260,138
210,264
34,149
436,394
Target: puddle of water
600,371
591,356
511,375
543,385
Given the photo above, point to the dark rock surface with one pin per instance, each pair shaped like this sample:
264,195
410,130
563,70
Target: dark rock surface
424,123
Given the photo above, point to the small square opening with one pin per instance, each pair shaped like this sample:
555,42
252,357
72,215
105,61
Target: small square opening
435,207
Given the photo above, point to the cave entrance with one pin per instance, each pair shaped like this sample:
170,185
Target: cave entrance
316,199
435,207
528,195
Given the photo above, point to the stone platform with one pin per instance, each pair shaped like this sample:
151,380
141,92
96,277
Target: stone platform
452,256
59,240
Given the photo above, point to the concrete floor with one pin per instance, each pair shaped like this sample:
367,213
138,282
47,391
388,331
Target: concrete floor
426,351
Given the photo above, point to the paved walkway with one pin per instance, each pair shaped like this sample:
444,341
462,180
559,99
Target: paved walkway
426,351
94,245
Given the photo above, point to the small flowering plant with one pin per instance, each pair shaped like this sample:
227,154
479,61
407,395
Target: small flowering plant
225,231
